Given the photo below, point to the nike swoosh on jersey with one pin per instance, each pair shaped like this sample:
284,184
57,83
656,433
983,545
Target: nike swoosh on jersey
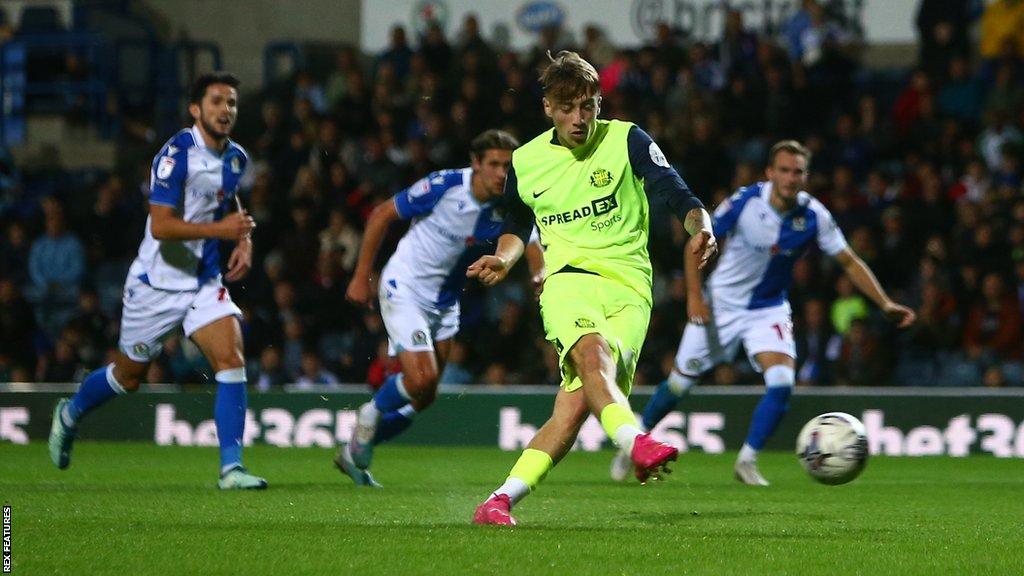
537,194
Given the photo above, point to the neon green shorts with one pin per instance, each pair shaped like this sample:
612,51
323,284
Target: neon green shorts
576,304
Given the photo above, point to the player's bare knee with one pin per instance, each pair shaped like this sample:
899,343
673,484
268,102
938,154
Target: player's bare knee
420,379
771,359
421,386
129,374
129,379
227,361
591,354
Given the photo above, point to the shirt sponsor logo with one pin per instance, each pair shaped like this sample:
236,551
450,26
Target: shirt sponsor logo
598,207
453,237
777,250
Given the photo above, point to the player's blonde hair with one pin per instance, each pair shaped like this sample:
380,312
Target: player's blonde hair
790,146
568,77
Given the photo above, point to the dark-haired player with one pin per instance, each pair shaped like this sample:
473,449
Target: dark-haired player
175,281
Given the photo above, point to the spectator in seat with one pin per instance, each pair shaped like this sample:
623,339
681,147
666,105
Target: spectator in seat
56,266
993,329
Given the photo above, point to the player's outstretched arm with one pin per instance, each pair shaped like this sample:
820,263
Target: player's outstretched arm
493,269
865,281
383,215
519,225
165,224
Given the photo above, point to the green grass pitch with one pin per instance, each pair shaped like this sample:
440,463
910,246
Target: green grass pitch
136,509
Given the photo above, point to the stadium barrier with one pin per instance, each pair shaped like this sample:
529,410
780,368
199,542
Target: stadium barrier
899,421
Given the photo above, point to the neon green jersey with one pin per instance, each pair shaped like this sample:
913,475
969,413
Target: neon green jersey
589,202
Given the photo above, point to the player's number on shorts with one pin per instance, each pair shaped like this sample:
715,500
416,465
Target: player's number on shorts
222,294
782,330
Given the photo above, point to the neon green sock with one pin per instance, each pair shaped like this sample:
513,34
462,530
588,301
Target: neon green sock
532,467
620,425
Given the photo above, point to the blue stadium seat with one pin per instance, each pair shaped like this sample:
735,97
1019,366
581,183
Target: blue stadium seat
332,345
958,371
916,371
1013,373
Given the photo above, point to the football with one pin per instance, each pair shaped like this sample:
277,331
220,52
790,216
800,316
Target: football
833,448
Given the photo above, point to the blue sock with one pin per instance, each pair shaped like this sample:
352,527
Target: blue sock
665,399
767,415
229,416
659,406
391,396
394,423
97,388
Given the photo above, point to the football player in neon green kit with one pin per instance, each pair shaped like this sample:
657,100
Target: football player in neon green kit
585,184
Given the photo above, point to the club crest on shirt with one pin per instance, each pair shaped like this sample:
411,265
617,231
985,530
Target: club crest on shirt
601,178
421,188
799,223
419,337
165,168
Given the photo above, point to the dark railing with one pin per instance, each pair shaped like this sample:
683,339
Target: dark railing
141,74
19,91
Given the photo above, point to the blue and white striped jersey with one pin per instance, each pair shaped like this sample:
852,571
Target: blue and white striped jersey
200,184
450,230
761,245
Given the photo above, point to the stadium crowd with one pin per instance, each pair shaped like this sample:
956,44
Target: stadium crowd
922,169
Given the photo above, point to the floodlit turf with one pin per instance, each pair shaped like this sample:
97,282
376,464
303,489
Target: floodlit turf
132,509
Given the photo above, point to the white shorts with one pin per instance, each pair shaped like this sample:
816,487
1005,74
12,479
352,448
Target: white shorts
411,326
763,330
149,314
